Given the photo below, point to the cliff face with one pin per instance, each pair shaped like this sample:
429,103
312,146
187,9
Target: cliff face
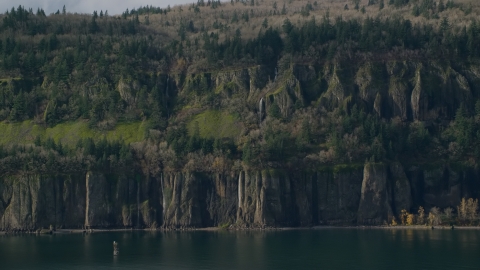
35,201
409,90
338,196
375,202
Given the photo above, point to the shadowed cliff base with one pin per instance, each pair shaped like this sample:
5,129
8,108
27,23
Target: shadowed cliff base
372,195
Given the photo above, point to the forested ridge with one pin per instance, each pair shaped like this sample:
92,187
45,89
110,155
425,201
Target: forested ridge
226,86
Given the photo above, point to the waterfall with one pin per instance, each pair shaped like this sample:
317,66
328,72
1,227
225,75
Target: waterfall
260,109
163,195
276,73
240,189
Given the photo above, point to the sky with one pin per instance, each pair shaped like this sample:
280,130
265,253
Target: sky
88,6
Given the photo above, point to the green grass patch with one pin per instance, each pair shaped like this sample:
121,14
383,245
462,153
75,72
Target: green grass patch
69,133
215,124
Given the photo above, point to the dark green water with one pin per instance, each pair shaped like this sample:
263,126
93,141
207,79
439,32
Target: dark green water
296,249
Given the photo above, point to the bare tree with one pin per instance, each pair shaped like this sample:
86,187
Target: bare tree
462,211
472,209
448,213
434,216
421,216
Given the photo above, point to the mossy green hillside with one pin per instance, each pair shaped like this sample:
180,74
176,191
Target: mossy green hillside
69,132
214,124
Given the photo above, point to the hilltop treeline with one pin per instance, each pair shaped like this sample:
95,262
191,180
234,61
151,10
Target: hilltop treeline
73,52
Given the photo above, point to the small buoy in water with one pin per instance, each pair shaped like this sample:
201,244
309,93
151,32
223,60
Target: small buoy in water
115,248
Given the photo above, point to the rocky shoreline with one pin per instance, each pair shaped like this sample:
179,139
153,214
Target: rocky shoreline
234,229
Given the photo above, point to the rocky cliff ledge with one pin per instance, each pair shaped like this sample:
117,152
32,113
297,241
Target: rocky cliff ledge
341,195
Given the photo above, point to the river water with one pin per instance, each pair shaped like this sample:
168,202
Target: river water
290,249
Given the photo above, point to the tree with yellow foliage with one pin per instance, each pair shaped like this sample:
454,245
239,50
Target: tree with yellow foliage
406,218
394,221
410,219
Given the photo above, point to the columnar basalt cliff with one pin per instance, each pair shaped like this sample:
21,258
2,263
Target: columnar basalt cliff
270,198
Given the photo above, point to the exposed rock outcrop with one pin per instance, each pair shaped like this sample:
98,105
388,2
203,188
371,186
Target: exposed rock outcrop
38,201
375,203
